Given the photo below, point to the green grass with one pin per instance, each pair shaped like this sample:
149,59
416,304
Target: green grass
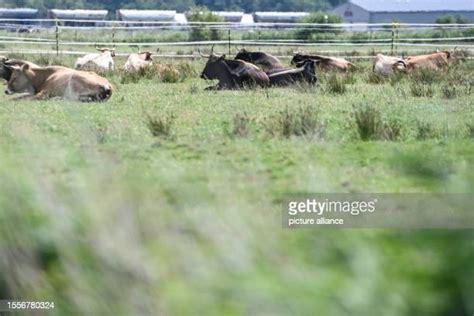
166,199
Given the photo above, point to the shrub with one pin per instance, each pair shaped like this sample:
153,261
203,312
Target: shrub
425,130
318,17
391,129
470,129
336,85
421,90
240,125
303,121
160,126
203,33
426,76
368,120
449,91
374,78
450,19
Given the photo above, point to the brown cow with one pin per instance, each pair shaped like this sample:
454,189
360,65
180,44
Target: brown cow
57,81
325,62
433,61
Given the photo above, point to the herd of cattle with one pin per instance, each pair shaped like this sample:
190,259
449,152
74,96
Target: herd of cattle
246,69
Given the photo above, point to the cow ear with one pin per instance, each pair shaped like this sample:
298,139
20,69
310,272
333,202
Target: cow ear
25,67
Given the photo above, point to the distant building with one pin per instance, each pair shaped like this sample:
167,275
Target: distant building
18,14
151,16
406,11
278,17
230,16
80,17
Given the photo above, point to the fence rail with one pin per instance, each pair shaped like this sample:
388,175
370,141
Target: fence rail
392,40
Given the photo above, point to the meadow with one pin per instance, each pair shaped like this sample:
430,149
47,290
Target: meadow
166,200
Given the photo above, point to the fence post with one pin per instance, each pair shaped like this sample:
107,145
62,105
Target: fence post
57,38
397,37
228,37
113,35
393,39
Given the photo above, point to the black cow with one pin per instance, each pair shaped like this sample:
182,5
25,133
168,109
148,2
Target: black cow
233,74
6,64
265,61
306,72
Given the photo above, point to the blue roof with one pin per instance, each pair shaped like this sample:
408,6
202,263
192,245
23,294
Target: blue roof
414,5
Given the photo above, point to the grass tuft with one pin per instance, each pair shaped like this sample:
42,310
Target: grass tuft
336,84
160,126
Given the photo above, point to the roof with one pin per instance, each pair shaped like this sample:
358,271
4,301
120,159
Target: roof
278,16
414,5
18,13
79,14
230,16
147,15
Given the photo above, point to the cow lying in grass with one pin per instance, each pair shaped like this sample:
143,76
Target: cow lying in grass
233,74
324,62
98,61
387,65
306,72
265,61
57,82
138,61
433,61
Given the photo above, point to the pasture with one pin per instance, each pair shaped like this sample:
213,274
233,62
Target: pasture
166,199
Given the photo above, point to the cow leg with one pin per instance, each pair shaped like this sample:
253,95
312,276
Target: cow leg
24,97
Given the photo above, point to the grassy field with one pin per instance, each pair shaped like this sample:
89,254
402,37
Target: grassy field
165,200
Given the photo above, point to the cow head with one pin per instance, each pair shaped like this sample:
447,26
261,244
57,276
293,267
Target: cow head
399,66
212,68
105,49
5,72
146,56
245,55
298,59
20,80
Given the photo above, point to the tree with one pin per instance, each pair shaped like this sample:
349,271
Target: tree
203,33
320,18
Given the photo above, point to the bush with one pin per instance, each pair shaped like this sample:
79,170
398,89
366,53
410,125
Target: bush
301,122
160,126
421,90
450,19
318,17
203,33
240,126
370,125
425,131
368,120
336,85
426,76
374,78
449,91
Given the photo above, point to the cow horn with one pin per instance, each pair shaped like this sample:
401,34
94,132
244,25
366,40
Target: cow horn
203,55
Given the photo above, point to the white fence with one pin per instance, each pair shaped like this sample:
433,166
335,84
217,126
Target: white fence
29,38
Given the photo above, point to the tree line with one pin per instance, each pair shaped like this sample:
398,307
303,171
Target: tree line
179,5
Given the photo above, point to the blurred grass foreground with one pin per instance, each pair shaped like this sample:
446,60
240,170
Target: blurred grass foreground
165,200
